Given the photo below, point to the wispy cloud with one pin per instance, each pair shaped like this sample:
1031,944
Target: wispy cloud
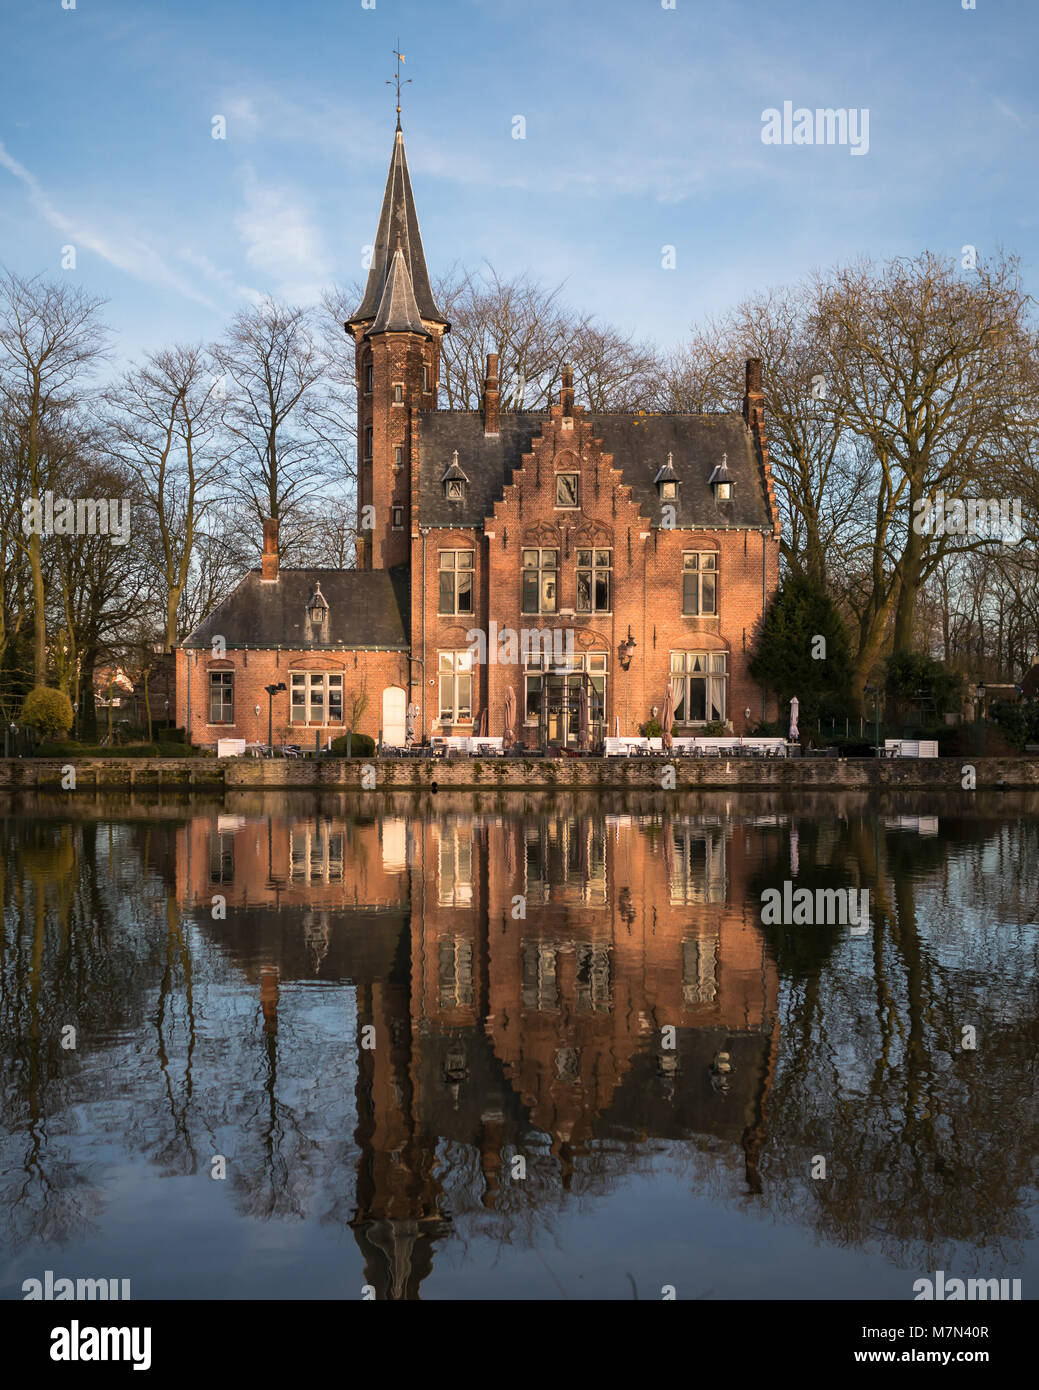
281,240
129,254
219,276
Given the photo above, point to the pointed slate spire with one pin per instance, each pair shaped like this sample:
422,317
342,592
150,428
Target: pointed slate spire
398,309
398,226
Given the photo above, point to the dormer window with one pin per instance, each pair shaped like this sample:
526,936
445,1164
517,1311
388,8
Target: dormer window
667,482
317,613
721,480
455,482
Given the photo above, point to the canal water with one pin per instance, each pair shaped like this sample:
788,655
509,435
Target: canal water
531,1046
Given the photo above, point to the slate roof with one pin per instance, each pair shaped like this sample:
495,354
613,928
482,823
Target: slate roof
398,226
366,608
639,444
398,311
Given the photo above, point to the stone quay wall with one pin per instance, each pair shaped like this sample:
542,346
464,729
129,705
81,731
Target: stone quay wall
402,774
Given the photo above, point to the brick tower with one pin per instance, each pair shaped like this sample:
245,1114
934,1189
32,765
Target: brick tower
397,332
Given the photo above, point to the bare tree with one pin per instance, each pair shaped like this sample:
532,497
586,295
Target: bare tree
165,423
50,337
925,365
271,365
534,334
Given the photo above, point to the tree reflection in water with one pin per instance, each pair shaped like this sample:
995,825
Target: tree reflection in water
519,963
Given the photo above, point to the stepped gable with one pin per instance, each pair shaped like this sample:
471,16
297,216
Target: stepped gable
638,446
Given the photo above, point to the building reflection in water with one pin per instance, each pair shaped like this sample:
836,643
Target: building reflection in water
544,985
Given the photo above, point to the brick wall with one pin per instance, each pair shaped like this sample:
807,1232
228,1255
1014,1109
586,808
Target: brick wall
396,359
254,670
646,587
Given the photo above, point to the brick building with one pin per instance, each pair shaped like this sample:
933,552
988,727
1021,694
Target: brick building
585,561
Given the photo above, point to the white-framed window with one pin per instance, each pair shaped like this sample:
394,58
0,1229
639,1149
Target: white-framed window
699,970
456,581
568,489
700,583
221,697
221,857
539,580
455,971
565,862
398,395
540,987
315,853
698,683
697,865
594,575
316,697
456,687
455,867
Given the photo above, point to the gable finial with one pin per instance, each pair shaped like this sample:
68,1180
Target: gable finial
396,78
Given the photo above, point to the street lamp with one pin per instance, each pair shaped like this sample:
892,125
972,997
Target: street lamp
272,690
875,692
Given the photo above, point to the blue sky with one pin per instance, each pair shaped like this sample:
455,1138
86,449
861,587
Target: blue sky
643,130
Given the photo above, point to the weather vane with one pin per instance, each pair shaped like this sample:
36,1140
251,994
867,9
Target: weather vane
396,78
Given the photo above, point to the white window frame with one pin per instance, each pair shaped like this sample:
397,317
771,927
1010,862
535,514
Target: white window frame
224,684
456,669
693,564
308,681
593,569
713,672
454,569
542,571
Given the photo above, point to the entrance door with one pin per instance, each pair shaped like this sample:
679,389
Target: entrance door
560,709
394,714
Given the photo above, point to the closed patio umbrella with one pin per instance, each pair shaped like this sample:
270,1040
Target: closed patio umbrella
668,717
508,736
794,706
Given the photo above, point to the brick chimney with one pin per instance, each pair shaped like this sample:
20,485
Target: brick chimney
269,558
566,394
491,396
753,397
